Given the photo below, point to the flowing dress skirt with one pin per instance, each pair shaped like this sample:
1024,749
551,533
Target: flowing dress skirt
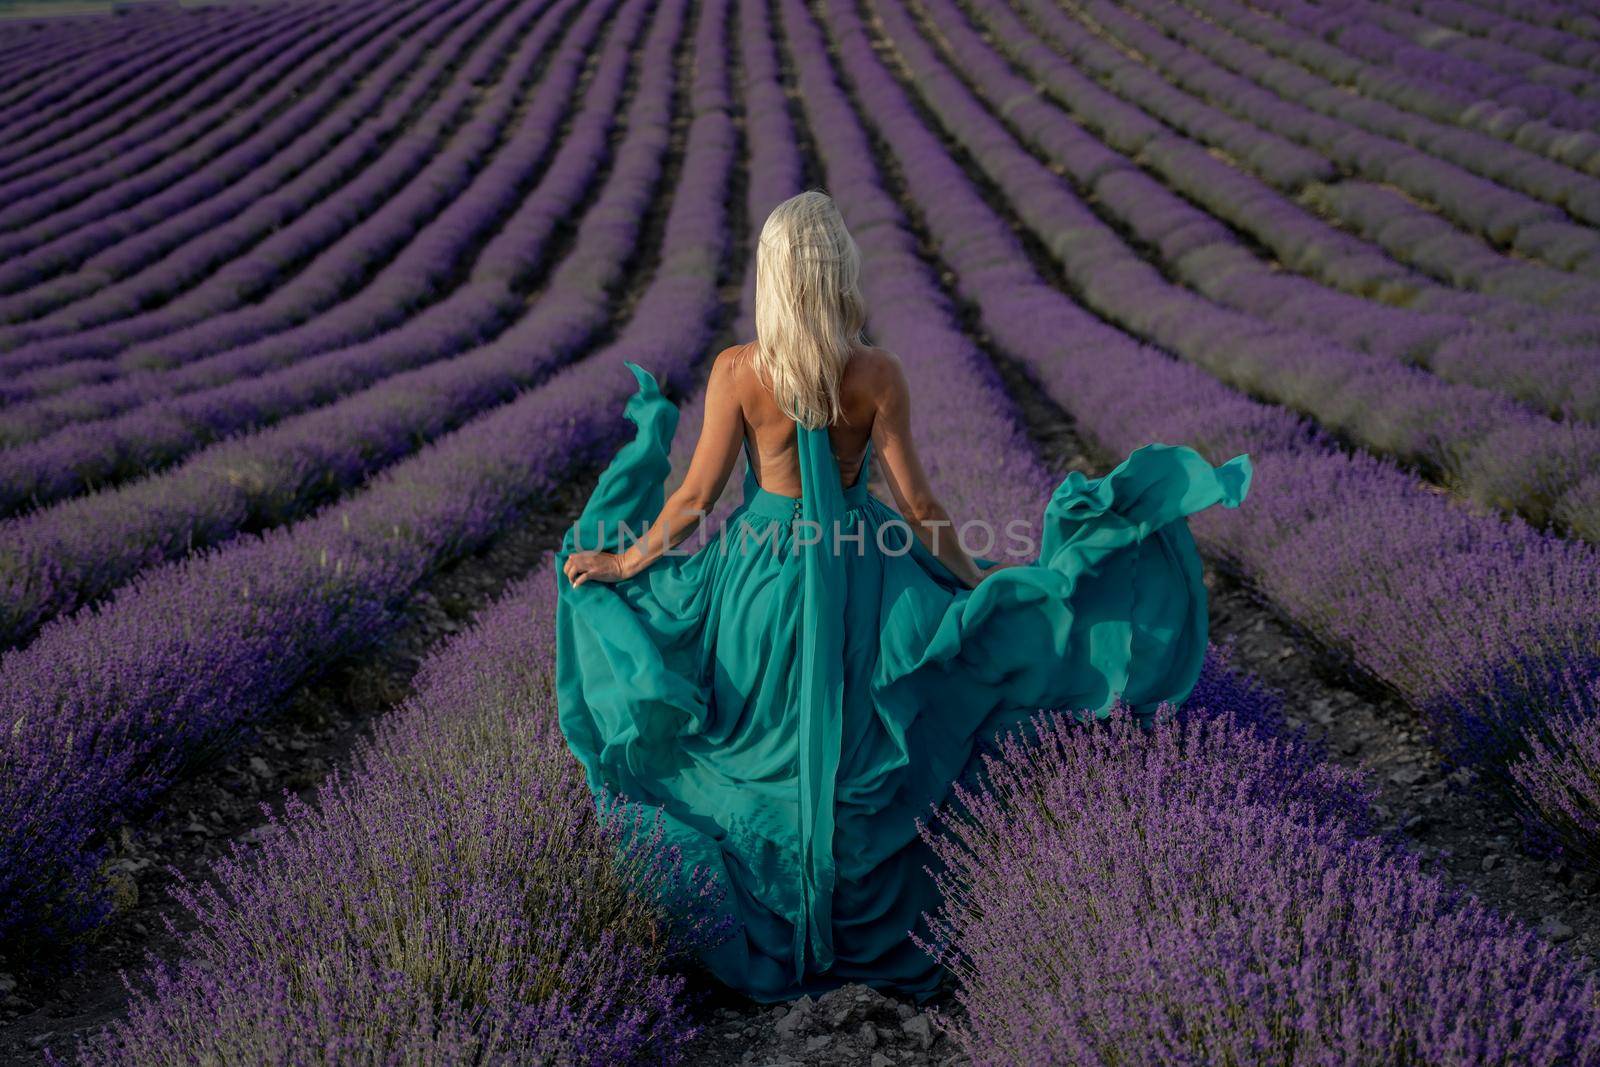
798,692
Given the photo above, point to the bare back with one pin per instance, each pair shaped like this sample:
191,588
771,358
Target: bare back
876,400
740,414
770,432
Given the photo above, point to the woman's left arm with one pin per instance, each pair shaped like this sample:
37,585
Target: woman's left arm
715,454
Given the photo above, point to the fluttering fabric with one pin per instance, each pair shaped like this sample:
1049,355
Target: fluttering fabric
799,690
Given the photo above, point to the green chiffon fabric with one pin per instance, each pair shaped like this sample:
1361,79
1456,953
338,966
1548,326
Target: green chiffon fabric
798,691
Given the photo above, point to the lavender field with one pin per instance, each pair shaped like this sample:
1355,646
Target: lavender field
313,324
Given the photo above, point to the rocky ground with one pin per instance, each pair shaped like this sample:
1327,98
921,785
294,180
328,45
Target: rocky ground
852,1026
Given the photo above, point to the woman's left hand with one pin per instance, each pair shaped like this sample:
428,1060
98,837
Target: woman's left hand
580,567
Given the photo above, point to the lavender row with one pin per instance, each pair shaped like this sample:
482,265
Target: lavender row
1283,98
484,708
420,241
1353,40
98,255
139,85
60,200
1522,192
1578,23
1504,276
1187,238
1298,237
1412,233
1426,88
162,415
1359,268
99,43
1480,623
1205,255
1564,33
63,557
430,257
1252,923
1356,942
1491,448
60,51
34,47
510,922
1522,84
63,163
196,95
1279,160
197,650
1482,37
1288,100
143,255
371,218
265,383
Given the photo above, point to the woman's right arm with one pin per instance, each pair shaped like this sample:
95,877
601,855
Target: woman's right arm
721,433
891,436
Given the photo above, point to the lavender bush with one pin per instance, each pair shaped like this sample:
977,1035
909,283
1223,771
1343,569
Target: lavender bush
1481,660
59,558
1370,138
100,255
135,256
1496,451
195,652
456,897
170,66
364,232
1204,254
1189,896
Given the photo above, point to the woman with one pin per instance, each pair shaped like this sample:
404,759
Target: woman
797,692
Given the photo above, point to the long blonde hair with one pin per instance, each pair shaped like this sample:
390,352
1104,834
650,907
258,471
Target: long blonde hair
809,309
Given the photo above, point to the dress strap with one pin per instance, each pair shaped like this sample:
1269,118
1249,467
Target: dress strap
751,486
823,505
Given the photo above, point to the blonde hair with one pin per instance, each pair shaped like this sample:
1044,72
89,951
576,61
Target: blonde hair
809,309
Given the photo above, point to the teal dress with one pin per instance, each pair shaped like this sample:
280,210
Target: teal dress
798,691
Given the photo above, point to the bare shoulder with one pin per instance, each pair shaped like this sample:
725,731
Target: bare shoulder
732,359
869,363
878,371
729,369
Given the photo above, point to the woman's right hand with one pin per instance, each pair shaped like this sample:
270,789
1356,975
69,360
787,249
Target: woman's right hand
581,567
